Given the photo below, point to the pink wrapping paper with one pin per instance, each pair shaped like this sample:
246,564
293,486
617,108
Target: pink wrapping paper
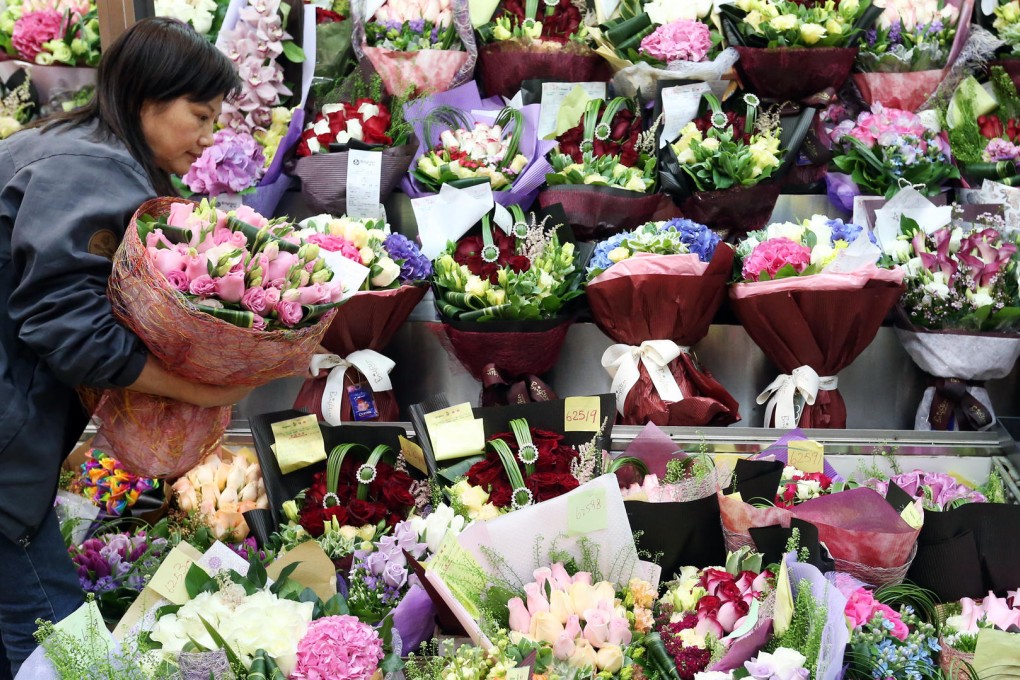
823,281
687,264
425,70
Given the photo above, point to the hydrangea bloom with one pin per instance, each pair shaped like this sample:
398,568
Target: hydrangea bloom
339,648
683,40
35,28
414,266
232,164
770,256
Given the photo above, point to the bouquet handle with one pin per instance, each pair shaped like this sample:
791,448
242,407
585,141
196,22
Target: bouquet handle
789,394
955,404
622,363
372,365
498,388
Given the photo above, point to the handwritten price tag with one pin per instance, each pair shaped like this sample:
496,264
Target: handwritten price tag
582,414
168,580
586,512
298,443
518,673
807,456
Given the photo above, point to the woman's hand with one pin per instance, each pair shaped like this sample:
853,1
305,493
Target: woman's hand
154,379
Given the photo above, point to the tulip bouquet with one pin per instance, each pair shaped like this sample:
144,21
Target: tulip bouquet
218,299
700,610
592,629
804,271
106,483
655,376
965,619
605,170
503,299
265,108
205,16
658,40
921,39
426,46
394,284
51,32
220,490
961,291
465,140
116,566
529,39
770,36
724,168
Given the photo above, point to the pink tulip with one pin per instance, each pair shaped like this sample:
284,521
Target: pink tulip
230,288
596,627
520,619
536,599
619,631
280,267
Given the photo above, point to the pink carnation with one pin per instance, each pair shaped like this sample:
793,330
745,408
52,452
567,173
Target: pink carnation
770,256
336,244
339,648
35,28
683,40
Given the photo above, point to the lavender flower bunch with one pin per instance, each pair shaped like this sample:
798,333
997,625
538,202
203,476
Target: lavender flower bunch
233,164
910,37
116,566
380,578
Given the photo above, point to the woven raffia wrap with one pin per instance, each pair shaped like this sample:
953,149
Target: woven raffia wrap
159,437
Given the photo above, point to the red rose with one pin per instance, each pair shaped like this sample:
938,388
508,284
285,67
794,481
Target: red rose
365,512
486,473
395,494
327,16
314,517
712,579
547,485
708,606
729,591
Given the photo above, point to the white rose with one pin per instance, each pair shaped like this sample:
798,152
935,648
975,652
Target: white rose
794,232
821,253
390,270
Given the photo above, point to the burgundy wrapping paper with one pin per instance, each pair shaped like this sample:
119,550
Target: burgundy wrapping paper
504,65
596,213
794,74
734,212
680,308
368,320
324,177
825,330
907,91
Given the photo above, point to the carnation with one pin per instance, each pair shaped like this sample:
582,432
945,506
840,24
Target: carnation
339,648
683,40
769,257
35,28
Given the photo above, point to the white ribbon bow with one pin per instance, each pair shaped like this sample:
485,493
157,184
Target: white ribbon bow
621,361
781,395
374,366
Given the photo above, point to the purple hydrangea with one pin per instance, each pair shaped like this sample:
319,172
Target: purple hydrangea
701,240
231,165
843,231
413,265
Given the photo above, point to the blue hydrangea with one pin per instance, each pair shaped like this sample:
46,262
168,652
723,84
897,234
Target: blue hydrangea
699,239
413,265
600,258
842,231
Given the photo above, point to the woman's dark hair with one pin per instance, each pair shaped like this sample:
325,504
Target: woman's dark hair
155,60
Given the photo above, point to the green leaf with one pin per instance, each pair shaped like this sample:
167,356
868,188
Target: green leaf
292,52
282,578
257,573
220,642
196,580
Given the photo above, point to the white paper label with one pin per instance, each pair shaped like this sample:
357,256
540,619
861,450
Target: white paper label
609,6
447,215
350,273
553,95
679,107
228,202
364,169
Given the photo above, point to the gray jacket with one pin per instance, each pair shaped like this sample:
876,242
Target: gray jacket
65,201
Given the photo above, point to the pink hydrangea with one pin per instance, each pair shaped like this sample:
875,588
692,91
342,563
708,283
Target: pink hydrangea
35,28
682,40
879,123
770,256
338,648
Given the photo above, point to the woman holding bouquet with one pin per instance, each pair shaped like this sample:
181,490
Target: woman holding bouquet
69,188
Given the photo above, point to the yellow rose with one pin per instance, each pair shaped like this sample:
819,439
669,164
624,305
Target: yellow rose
356,233
582,596
834,27
618,254
348,533
754,19
811,33
498,180
487,511
594,178
685,596
712,144
635,183
545,627
366,532
610,658
784,22
584,655
848,8
560,605
518,163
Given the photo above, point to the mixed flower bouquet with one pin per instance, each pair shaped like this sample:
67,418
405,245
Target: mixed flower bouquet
921,39
797,486
961,291
395,281
605,170
205,16
657,41
724,168
883,149
116,566
51,32
529,39
656,378
962,623
218,299
425,46
503,299
984,128
770,35
464,140
266,108
887,642
220,490
792,278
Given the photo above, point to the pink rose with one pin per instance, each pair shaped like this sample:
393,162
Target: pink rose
619,631
156,238
280,267
563,647
770,256
254,300
315,294
596,627
258,323
230,288
180,214
536,598
202,286
729,613
542,574
573,627
178,280
167,261
713,579
196,266
561,579
35,28
272,299
247,214
289,313
709,625
520,618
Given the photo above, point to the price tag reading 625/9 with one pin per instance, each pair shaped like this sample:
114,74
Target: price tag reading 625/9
582,414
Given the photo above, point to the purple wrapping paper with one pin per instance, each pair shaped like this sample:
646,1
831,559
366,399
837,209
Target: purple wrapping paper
835,635
466,98
746,647
414,618
654,448
267,196
779,451
297,124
